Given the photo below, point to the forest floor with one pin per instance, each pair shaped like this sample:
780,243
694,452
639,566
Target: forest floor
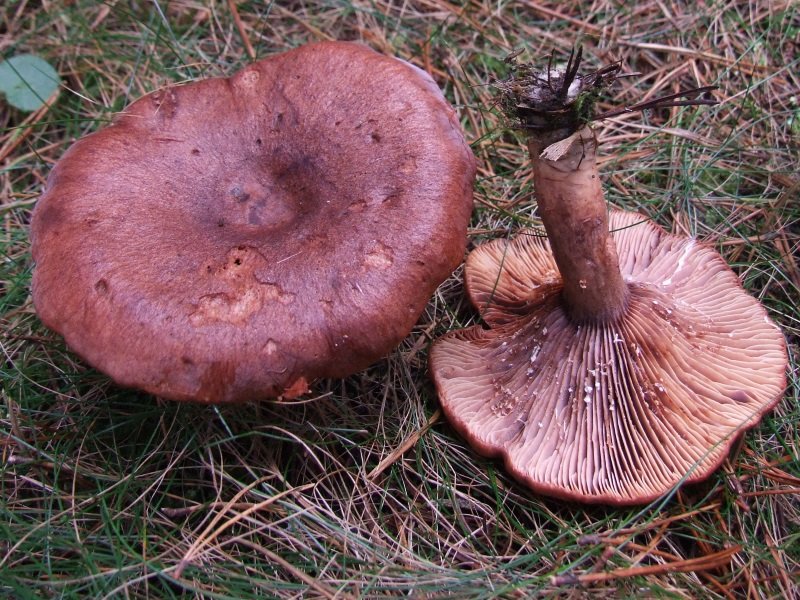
361,488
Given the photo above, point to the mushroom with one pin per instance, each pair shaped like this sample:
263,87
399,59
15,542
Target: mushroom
614,366
237,238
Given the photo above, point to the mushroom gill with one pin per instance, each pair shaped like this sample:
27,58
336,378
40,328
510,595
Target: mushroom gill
614,411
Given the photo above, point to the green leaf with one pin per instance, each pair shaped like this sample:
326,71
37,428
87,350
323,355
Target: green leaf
27,81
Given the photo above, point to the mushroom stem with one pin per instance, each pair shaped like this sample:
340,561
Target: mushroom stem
554,106
573,210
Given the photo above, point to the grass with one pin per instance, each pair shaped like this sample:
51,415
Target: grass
362,489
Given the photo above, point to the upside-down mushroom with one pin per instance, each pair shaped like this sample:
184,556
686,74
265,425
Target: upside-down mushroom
236,238
615,365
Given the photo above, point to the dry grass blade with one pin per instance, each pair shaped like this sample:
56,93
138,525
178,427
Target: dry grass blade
215,528
747,67
240,27
708,562
557,14
17,135
313,584
408,443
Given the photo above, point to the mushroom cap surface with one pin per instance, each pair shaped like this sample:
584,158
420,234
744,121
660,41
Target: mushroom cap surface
235,238
614,413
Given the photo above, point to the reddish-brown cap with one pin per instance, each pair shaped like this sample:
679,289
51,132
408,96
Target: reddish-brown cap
235,238
615,413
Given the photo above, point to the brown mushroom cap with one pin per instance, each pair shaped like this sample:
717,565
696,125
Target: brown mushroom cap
614,413
235,238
